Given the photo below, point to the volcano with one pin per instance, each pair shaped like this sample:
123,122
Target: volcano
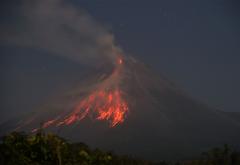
132,110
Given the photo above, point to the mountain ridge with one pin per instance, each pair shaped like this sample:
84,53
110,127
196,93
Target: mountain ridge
160,116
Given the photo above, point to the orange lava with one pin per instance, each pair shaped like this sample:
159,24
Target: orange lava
101,105
106,103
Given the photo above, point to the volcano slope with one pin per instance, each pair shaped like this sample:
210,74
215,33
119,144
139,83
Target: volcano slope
132,110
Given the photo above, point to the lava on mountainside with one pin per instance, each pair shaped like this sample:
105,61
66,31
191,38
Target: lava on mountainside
104,103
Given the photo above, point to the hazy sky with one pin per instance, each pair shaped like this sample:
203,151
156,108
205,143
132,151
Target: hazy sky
194,43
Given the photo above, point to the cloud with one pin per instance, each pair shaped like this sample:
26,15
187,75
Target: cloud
62,29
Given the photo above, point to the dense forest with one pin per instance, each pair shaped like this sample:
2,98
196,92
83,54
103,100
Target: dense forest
19,148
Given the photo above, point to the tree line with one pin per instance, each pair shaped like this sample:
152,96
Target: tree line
19,148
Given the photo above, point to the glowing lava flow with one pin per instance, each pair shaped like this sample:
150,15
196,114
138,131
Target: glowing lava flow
105,103
101,104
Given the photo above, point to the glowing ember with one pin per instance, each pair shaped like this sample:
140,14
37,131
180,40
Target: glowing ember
105,103
120,61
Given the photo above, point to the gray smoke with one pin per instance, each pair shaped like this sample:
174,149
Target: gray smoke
62,29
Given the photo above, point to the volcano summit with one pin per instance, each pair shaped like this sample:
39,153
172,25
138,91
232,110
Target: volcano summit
130,109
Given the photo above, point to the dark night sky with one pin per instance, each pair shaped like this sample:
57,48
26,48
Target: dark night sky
194,43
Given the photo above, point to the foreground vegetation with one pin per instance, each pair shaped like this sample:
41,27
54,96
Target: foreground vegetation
49,149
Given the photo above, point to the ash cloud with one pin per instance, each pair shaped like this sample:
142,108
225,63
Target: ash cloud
60,28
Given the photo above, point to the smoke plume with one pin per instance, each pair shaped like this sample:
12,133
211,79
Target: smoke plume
57,27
